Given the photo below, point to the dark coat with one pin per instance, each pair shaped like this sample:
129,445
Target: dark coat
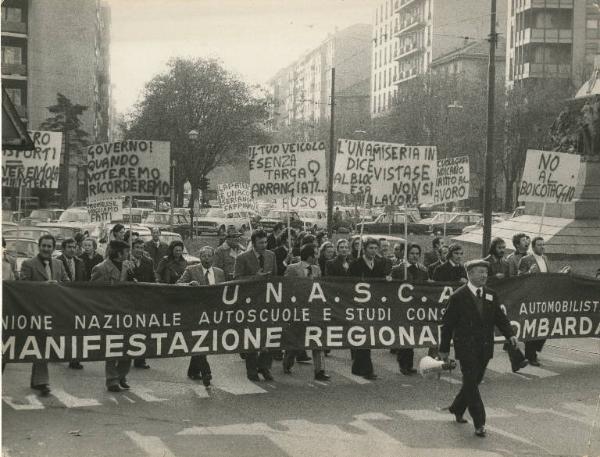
89,263
446,272
497,266
144,272
431,268
335,267
473,334
280,254
359,269
34,270
80,274
415,273
430,258
156,253
247,264
170,270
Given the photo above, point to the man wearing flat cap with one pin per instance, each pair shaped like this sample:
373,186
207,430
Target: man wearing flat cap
226,255
472,312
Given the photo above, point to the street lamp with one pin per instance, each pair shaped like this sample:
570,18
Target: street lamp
193,136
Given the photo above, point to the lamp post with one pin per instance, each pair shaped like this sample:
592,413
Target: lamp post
193,136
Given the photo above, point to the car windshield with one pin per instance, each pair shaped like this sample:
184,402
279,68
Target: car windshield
74,215
30,233
22,248
215,212
441,216
41,214
60,233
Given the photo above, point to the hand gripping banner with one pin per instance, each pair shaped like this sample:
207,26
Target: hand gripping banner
90,321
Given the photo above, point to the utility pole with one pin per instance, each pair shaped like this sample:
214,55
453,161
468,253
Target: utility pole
489,152
331,158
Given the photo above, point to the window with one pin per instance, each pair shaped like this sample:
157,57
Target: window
15,95
592,23
11,55
11,14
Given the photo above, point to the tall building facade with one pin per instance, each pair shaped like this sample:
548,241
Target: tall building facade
59,46
552,39
301,92
410,34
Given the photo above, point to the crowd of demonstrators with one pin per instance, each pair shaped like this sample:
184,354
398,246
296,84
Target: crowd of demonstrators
296,254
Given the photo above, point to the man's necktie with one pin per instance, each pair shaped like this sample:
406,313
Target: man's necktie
72,268
309,270
48,269
206,277
261,261
479,302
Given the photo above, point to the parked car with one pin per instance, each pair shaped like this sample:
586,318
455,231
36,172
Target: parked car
390,238
42,215
519,211
275,216
479,224
77,214
313,219
137,215
215,221
179,223
32,233
394,223
21,250
455,222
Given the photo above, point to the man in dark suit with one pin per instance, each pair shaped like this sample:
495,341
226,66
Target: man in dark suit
384,256
452,270
156,248
273,238
258,262
76,272
415,272
306,268
43,268
366,266
283,255
434,255
472,312
203,274
536,262
341,263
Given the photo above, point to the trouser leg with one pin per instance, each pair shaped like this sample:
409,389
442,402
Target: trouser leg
198,365
469,396
531,350
318,360
139,362
362,364
39,374
123,367
289,358
264,361
405,358
116,371
251,362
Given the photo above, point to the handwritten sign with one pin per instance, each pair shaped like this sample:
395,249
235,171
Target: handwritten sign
37,169
305,202
134,167
235,197
106,210
452,183
287,169
389,173
549,176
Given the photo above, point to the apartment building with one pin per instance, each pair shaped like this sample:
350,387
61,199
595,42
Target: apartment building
52,46
552,39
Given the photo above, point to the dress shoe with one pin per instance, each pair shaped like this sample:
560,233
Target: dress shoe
242,356
370,376
534,363
287,370
123,384
206,379
321,376
457,417
253,377
407,371
480,432
523,364
141,365
75,365
114,388
266,374
304,359
194,377
43,388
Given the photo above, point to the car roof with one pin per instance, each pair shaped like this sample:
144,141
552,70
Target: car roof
390,238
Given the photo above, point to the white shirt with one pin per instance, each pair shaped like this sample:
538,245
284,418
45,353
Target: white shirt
541,263
211,275
474,289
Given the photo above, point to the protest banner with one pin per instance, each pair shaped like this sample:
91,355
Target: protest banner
93,321
106,210
292,169
235,197
37,169
133,167
549,177
304,202
389,173
452,182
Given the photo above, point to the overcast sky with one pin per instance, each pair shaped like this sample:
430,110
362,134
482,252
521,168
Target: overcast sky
253,38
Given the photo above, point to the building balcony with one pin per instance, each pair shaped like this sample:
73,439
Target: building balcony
407,51
540,70
531,35
524,5
19,28
402,4
14,69
405,75
410,24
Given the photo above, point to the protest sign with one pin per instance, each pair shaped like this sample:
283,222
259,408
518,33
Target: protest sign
549,177
94,321
235,197
305,202
106,210
37,169
133,167
287,169
390,173
452,182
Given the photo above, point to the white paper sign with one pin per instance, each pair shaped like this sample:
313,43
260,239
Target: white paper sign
549,176
235,197
452,183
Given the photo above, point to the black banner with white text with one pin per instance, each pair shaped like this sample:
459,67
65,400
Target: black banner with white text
91,321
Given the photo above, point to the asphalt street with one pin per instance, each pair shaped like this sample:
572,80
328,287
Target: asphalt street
552,410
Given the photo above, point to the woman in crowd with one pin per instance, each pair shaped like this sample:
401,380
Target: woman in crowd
326,253
172,266
89,256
